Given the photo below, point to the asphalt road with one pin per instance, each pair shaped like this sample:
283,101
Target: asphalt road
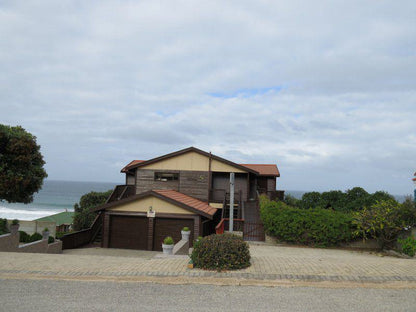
52,295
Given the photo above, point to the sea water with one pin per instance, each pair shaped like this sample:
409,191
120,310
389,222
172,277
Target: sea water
54,197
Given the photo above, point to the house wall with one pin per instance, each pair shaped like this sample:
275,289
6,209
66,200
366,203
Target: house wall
145,181
222,181
271,184
31,227
192,183
158,205
130,179
191,161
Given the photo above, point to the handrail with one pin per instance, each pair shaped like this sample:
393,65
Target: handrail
220,228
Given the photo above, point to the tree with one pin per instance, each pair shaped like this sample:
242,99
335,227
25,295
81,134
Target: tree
21,165
84,214
356,198
333,200
310,200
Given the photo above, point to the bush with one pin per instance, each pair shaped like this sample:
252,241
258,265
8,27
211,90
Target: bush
24,237
15,222
60,234
50,239
408,246
221,252
319,227
168,241
185,229
3,226
35,237
384,221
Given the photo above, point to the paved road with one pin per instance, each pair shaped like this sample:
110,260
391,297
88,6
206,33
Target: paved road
51,295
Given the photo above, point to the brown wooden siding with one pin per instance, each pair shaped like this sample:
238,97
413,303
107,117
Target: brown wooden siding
222,181
195,184
164,227
128,232
145,181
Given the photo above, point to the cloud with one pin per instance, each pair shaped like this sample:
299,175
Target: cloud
325,90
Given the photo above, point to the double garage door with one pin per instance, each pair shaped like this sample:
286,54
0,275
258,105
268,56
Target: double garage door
129,232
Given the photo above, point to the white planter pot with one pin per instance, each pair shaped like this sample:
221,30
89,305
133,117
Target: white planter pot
45,235
185,235
167,249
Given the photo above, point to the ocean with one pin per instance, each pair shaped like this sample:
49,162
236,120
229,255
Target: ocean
54,197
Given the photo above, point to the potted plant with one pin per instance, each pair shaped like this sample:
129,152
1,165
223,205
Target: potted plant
186,232
45,233
14,227
167,245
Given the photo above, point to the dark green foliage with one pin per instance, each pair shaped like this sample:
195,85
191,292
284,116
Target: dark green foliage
291,201
50,239
15,222
310,200
221,252
354,199
84,216
408,212
21,165
318,227
24,237
60,234
3,226
333,200
35,237
408,246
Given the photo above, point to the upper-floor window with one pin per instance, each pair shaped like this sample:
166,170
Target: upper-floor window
166,176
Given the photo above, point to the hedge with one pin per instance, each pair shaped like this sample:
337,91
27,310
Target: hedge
318,227
221,252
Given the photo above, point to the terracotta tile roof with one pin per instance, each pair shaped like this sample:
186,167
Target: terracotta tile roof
262,169
132,163
189,201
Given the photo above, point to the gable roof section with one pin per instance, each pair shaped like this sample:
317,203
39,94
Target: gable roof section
132,163
263,169
184,151
171,196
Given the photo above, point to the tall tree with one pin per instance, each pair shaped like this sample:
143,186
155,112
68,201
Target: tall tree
21,165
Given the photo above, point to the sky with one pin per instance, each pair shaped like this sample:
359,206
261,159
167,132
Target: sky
325,89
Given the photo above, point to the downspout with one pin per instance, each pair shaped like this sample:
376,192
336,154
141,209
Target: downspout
209,177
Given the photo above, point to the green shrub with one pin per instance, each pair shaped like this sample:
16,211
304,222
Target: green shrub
60,234
168,241
319,227
221,252
15,222
408,246
50,239
384,221
24,237
35,237
45,229
185,229
3,226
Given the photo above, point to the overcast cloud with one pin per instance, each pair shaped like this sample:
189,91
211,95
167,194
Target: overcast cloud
327,89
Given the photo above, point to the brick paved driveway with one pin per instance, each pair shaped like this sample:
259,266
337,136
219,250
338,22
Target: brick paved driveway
268,263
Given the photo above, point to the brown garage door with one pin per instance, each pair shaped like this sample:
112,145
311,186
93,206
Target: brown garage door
128,232
170,227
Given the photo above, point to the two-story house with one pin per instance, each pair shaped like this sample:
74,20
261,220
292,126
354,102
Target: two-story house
188,188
